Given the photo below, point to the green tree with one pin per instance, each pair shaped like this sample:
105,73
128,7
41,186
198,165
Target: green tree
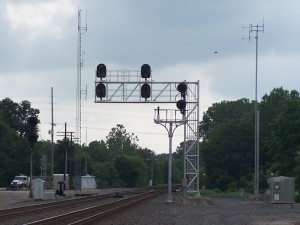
15,115
220,112
107,176
132,170
13,154
119,141
227,154
97,150
271,106
285,144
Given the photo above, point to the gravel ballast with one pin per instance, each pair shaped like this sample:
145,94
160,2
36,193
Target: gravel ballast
185,211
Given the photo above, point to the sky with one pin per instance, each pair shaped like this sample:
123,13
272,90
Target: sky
178,39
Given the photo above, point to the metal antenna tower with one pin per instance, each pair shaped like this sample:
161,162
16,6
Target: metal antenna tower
256,29
77,172
79,92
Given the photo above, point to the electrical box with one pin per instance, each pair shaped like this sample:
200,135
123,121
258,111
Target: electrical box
38,189
88,182
281,189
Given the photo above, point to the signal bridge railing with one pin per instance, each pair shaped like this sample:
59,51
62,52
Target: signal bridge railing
169,116
130,92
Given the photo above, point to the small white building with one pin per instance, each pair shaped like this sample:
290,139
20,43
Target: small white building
88,182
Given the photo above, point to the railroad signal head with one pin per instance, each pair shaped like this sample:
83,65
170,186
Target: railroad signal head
145,71
182,88
32,129
181,104
100,90
145,91
101,71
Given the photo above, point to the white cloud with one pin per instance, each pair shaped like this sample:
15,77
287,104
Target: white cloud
39,51
33,20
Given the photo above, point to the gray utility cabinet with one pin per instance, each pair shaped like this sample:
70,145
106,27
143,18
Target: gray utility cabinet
38,189
281,189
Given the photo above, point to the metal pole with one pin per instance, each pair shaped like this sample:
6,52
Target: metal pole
66,156
256,29
30,183
52,144
184,180
256,125
152,159
198,138
170,165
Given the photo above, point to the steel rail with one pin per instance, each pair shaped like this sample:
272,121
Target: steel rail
32,209
87,215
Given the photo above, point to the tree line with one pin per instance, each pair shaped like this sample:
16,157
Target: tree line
226,147
117,161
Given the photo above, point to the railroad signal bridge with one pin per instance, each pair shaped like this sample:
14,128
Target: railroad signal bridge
137,86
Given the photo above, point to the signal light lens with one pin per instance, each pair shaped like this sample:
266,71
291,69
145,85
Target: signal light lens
181,104
146,91
100,90
182,87
101,71
32,130
145,71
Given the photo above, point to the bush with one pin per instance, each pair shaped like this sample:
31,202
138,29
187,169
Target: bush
217,190
232,187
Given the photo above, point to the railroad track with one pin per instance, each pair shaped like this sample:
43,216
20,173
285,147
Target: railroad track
6,214
92,214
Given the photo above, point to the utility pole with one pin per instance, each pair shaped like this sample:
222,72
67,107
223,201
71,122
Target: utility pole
65,134
256,29
52,139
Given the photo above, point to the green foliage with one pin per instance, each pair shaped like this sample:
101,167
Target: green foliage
120,142
226,154
132,170
226,148
107,176
15,114
9,147
285,142
220,112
